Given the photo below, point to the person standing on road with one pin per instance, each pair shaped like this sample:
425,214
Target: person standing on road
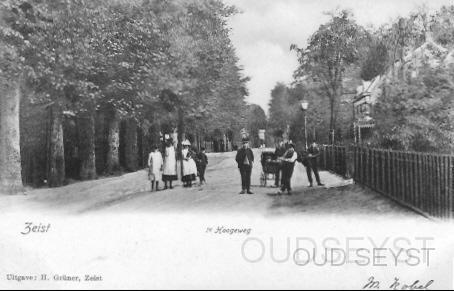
279,153
189,166
313,153
245,161
202,162
288,165
155,164
170,165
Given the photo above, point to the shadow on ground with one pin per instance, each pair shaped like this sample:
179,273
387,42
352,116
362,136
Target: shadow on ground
344,200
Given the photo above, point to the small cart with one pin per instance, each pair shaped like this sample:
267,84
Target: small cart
270,166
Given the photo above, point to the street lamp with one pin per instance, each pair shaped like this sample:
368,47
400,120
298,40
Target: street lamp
304,107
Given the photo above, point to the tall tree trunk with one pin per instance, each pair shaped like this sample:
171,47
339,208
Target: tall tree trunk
140,146
131,148
332,120
181,136
146,144
87,154
180,128
56,151
113,144
101,141
10,157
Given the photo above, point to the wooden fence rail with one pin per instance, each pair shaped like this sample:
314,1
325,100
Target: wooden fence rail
421,181
334,159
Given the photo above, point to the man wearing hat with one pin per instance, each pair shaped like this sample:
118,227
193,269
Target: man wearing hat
313,153
288,165
245,161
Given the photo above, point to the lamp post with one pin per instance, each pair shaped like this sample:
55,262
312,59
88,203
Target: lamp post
304,107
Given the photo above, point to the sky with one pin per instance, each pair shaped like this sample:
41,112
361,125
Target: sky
264,30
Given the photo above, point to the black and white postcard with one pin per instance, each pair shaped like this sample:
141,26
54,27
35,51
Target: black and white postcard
227,144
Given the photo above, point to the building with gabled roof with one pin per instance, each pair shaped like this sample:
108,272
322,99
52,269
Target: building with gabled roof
429,53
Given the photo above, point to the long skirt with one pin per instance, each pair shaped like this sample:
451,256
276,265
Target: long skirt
189,178
167,178
189,170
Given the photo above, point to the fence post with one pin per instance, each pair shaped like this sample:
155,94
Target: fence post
432,186
412,178
324,158
374,169
439,184
451,186
349,162
428,187
419,180
355,163
408,177
447,188
383,172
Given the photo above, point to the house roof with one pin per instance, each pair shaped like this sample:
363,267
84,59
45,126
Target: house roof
429,52
367,88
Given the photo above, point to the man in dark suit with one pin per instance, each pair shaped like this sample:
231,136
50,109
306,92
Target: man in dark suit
202,162
279,153
245,161
288,164
311,164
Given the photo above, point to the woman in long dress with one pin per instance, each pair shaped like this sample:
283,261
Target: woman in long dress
189,165
155,164
170,165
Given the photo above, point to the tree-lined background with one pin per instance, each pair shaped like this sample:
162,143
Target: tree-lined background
415,108
88,86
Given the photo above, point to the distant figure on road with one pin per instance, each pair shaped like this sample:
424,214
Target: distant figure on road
288,165
245,160
202,162
313,153
189,166
170,165
155,164
279,153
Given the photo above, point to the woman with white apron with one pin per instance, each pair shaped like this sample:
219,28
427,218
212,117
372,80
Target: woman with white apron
170,165
189,165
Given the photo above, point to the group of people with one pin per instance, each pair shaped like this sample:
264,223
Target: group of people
163,166
286,156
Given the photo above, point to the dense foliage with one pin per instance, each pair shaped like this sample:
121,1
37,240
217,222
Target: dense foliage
86,64
413,110
330,52
418,115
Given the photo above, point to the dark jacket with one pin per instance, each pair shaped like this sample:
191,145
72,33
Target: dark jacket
241,155
202,159
315,152
279,152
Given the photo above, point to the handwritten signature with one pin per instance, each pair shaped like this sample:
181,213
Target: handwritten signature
374,284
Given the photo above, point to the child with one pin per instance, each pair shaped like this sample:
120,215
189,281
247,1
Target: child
170,164
202,162
189,166
155,164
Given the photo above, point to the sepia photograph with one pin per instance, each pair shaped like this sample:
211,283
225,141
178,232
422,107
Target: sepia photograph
226,144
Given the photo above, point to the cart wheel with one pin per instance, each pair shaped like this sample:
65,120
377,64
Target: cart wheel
263,180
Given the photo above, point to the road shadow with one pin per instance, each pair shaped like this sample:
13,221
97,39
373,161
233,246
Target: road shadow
343,200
